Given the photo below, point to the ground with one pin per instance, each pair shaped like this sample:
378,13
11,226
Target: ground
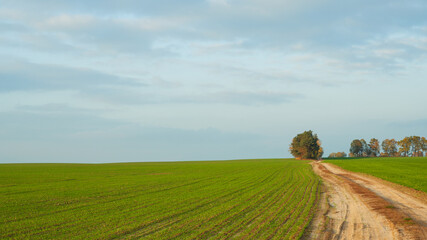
358,206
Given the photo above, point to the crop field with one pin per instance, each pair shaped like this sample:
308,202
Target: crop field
408,171
244,199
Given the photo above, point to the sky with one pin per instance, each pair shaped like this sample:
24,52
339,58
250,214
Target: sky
124,81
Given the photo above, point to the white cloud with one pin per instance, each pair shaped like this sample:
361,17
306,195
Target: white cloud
266,8
151,23
10,101
388,53
10,14
221,3
265,66
417,41
66,21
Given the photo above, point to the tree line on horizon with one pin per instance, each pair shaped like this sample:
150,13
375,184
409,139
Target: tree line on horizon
413,146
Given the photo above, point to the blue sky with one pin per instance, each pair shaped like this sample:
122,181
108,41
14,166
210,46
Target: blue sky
113,81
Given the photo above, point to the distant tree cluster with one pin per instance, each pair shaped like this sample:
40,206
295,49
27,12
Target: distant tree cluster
337,155
360,148
414,146
306,145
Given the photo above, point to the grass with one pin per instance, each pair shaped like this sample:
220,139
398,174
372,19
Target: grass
253,199
410,172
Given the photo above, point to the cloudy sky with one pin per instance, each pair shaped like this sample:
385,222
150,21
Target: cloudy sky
112,81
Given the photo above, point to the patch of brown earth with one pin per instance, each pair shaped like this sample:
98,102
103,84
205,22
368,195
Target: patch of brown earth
358,207
411,202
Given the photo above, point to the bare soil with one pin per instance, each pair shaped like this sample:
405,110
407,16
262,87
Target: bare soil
359,206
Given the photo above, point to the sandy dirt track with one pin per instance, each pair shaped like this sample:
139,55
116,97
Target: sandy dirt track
357,206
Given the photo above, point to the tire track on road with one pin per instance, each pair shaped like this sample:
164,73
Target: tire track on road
356,212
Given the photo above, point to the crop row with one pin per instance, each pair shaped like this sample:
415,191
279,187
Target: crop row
247,199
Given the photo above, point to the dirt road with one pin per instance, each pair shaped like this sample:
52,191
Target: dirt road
356,206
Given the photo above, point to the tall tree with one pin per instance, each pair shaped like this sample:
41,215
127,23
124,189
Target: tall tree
416,146
320,153
306,145
356,148
366,152
389,147
374,144
424,144
405,146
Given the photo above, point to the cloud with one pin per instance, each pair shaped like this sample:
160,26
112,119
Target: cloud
416,127
221,3
151,23
37,137
106,6
29,125
18,75
240,98
67,22
134,27
198,70
46,86
11,27
153,97
84,24
54,108
87,33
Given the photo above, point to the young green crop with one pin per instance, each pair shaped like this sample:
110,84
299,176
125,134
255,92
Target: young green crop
253,199
408,171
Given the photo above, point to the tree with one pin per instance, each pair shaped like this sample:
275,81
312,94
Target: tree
356,148
338,155
405,146
411,146
389,147
424,145
341,155
320,153
306,145
374,145
366,150
416,146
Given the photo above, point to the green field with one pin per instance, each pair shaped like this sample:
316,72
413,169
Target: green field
252,199
410,172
